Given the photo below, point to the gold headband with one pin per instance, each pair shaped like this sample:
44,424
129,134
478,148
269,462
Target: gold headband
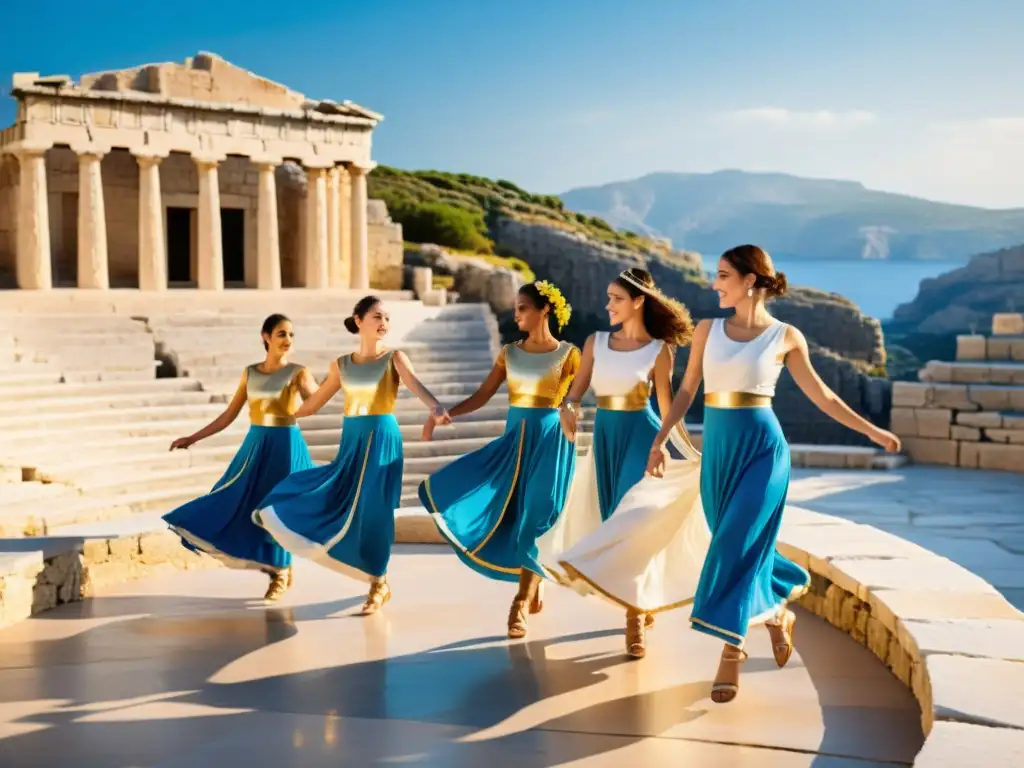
624,275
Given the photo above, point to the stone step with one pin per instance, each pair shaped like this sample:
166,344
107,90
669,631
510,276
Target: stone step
117,482
17,379
958,397
986,372
83,404
319,359
411,329
31,518
64,340
76,420
978,348
113,389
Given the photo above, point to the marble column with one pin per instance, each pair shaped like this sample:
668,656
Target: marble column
344,228
210,266
93,267
152,246
268,245
333,228
317,249
360,279
34,270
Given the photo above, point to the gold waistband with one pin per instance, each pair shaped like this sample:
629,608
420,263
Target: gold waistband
621,403
532,401
737,400
270,420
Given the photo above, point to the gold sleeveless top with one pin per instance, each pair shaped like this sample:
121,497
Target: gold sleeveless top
370,388
539,380
273,397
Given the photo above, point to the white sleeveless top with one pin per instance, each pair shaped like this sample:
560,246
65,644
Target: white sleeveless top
743,366
618,373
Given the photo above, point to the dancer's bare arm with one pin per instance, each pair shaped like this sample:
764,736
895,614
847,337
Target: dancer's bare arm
323,393
222,422
484,392
307,383
411,380
569,412
798,361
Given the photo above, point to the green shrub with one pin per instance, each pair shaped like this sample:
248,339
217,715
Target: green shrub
446,225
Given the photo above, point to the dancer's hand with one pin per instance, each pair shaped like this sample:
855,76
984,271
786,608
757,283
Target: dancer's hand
440,416
886,440
656,461
569,424
181,443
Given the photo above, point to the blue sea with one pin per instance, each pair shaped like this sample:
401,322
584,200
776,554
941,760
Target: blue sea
877,287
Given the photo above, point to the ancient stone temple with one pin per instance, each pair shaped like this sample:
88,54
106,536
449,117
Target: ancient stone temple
194,175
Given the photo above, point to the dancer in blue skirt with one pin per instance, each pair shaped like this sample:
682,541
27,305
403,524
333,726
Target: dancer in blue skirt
745,464
342,515
622,367
220,523
494,503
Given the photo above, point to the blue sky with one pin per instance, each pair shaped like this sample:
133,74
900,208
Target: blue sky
915,96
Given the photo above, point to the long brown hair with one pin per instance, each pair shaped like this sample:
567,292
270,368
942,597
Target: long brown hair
664,318
754,260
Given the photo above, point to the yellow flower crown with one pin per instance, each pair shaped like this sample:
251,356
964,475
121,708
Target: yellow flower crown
561,308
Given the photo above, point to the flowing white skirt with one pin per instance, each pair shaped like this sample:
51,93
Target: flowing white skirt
648,555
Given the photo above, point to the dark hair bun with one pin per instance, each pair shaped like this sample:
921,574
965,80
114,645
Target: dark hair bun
350,325
779,286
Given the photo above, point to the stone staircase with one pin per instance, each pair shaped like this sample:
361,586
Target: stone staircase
969,412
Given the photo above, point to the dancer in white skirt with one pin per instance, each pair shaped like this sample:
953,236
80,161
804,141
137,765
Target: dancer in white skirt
621,368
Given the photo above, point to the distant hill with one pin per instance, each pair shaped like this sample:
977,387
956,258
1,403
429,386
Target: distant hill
795,217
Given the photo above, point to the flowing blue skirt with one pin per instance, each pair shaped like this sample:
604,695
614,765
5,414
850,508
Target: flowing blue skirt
494,503
342,515
220,523
743,485
622,443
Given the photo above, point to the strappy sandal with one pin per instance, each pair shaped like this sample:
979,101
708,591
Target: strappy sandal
782,637
537,604
517,619
723,693
380,593
635,641
280,581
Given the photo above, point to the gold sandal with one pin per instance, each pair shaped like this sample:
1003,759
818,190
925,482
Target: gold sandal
635,641
782,637
528,598
723,693
380,593
280,581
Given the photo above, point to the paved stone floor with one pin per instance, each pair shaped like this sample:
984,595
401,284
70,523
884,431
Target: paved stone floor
188,671
972,517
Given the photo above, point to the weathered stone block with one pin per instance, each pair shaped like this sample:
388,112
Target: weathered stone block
959,432
987,638
970,455
955,745
922,450
902,422
1008,324
126,548
933,422
1015,436
1004,457
878,639
909,394
96,551
1017,350
980,419
970,348
998,349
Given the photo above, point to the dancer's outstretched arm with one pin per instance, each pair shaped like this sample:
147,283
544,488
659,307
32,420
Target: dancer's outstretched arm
663,368
569,413
798,361
409,378
323,393
484,392
683,399
222,422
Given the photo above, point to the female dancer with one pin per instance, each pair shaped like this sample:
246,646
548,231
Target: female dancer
342,514
220,523
621,367
494,503
745,466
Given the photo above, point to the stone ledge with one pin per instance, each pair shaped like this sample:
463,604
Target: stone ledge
943,631
40,573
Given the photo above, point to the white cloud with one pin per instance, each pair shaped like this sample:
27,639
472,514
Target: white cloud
787,118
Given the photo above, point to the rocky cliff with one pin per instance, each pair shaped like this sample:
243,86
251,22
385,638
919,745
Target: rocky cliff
846,345
964,300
